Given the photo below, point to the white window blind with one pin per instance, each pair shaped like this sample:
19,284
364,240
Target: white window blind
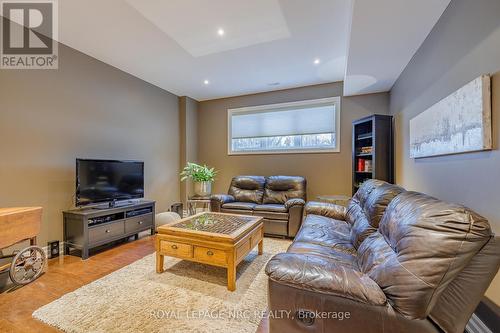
288,127
308,120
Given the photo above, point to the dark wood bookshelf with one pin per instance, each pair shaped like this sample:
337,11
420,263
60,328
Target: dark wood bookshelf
374,134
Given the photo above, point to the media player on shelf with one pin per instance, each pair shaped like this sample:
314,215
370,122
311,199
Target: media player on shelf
138,212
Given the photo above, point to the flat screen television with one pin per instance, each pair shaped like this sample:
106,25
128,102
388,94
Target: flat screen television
100,181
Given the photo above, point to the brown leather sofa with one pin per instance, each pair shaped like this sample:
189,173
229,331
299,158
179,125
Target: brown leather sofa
393,261
279,199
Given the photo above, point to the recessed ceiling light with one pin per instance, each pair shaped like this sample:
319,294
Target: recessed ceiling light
220,32
206,82
317,61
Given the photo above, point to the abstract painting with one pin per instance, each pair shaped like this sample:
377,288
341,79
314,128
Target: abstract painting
459,123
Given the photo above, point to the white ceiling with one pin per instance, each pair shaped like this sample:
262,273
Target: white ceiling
174,44
247,23
384,36
267,44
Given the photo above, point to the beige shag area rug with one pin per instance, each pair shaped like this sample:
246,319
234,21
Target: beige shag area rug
187,297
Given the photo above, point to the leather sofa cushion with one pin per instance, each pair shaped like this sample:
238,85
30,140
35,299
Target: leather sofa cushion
272,215
367,208
236,211
421,246
271,211
271,208
343,258
326,209
324,231
278,189
247,188
239,205
315,273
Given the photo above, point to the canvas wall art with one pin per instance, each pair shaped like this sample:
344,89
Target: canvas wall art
459,123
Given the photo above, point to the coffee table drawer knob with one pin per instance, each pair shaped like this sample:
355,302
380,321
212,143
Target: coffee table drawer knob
175,249
210,253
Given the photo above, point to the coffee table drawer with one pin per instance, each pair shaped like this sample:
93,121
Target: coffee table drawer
177,249
210,256
255,239
242,250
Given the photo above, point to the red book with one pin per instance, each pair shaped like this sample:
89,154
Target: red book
361,164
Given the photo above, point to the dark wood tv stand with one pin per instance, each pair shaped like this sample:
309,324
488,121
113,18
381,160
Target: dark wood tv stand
90,227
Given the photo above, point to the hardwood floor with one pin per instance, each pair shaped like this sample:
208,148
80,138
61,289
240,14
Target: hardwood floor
63,275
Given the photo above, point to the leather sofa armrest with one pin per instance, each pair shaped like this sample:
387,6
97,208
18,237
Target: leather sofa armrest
326,209
217,200
295,209
294,202
324,276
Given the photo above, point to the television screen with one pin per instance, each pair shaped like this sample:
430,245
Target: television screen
107,180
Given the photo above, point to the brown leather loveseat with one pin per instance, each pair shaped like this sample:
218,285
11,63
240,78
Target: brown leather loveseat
279,199
393,261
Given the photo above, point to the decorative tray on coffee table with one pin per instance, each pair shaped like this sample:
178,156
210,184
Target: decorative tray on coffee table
214,223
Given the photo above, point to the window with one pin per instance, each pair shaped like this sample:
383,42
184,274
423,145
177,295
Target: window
306,127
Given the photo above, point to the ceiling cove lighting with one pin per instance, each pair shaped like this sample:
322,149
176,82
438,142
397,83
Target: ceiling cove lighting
220,32
317,61
206,82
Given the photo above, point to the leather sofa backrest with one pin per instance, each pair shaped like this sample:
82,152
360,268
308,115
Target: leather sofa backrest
368,205
279,189
422,244
247,188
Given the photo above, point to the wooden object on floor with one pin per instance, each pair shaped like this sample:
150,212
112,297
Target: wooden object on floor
216,239
18,224
372,150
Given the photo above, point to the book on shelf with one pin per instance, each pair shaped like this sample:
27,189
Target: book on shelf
365,150
368,166
361,165
364,165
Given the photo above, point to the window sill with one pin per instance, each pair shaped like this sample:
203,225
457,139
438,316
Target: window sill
279,152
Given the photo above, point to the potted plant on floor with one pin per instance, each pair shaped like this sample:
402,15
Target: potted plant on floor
202,177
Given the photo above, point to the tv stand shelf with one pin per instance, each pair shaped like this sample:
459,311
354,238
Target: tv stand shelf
87,228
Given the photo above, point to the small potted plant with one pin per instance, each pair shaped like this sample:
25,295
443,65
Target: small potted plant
202,177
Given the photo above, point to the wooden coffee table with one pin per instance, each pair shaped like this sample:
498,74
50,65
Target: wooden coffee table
216,239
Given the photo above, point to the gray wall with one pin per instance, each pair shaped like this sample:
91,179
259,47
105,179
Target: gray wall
188,119
464,44
84,109
326,173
